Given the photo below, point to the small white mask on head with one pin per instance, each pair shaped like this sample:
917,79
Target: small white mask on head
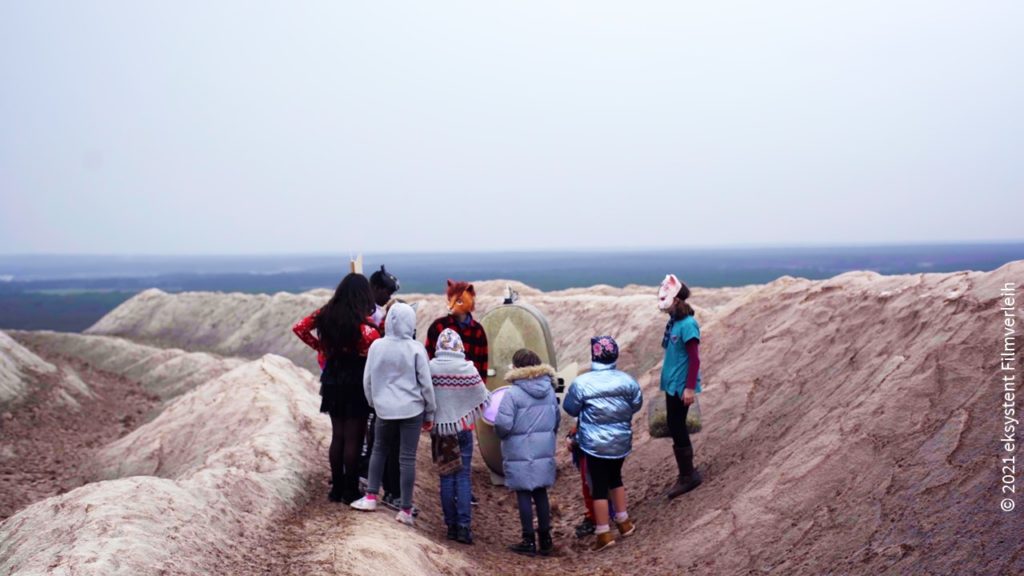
670,287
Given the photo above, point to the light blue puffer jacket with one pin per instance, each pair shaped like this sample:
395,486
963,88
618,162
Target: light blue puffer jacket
605,400
527,424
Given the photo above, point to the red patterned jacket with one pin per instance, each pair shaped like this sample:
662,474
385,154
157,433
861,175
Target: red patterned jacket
474,340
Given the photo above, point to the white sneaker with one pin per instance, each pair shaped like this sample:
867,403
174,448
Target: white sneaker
405,518
365,504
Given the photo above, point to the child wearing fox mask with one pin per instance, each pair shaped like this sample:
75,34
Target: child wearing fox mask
461,303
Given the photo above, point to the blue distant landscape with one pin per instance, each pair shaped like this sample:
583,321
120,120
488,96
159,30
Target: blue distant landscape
70,293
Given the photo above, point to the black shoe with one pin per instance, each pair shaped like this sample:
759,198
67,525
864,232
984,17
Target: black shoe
395,503
585,528
335,496
350,491
546,545
392,501
473,501
453,532
528,546
464,535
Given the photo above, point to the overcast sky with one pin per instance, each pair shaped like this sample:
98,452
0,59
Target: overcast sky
278,127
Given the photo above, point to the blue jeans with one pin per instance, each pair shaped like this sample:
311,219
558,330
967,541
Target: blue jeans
456,488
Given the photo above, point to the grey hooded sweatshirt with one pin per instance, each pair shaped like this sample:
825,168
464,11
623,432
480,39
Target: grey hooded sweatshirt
397,376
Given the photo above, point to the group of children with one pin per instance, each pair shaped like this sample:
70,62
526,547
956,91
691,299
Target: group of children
374,370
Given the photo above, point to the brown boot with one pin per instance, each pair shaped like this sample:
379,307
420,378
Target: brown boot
689,478
625,528
603,541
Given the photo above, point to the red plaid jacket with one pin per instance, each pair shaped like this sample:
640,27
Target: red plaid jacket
474,340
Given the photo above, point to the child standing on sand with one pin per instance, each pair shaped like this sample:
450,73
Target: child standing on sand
605,400
527,423
680,377
344,334
397,385
461,397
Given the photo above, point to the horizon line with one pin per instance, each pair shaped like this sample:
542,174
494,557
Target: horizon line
588,250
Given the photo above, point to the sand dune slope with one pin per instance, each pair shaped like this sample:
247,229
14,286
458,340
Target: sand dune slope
196,490
249,325
23,373
222,473
164,372
851,426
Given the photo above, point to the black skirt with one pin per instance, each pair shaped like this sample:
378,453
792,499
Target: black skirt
341,387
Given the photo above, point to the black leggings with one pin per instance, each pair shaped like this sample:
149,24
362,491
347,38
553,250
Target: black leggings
675,413
526,499
347,434
605,475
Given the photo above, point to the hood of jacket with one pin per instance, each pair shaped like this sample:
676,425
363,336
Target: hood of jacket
535,380
401,322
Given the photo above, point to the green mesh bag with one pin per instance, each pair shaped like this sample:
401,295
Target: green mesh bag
657,421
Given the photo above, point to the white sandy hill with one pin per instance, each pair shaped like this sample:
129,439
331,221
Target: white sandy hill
164,372
195,488
16,366
230,456
851,427
249,325
23,373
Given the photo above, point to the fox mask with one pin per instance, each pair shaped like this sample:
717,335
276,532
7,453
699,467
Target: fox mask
461,297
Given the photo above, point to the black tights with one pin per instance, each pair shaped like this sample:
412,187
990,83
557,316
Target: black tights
347,436
526,499
675,413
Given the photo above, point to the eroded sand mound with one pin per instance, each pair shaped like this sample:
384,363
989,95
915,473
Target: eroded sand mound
200,488
231,455
249,325
78,393
850,427
24,374
165,372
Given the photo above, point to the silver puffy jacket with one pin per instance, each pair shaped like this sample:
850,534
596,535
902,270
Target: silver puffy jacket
605,400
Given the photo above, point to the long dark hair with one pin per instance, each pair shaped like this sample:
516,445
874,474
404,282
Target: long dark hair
339,323
684,293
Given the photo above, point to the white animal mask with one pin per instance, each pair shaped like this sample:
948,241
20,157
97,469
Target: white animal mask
670,287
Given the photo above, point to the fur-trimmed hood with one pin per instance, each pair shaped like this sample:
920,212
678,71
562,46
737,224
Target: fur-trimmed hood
534,380
528,373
